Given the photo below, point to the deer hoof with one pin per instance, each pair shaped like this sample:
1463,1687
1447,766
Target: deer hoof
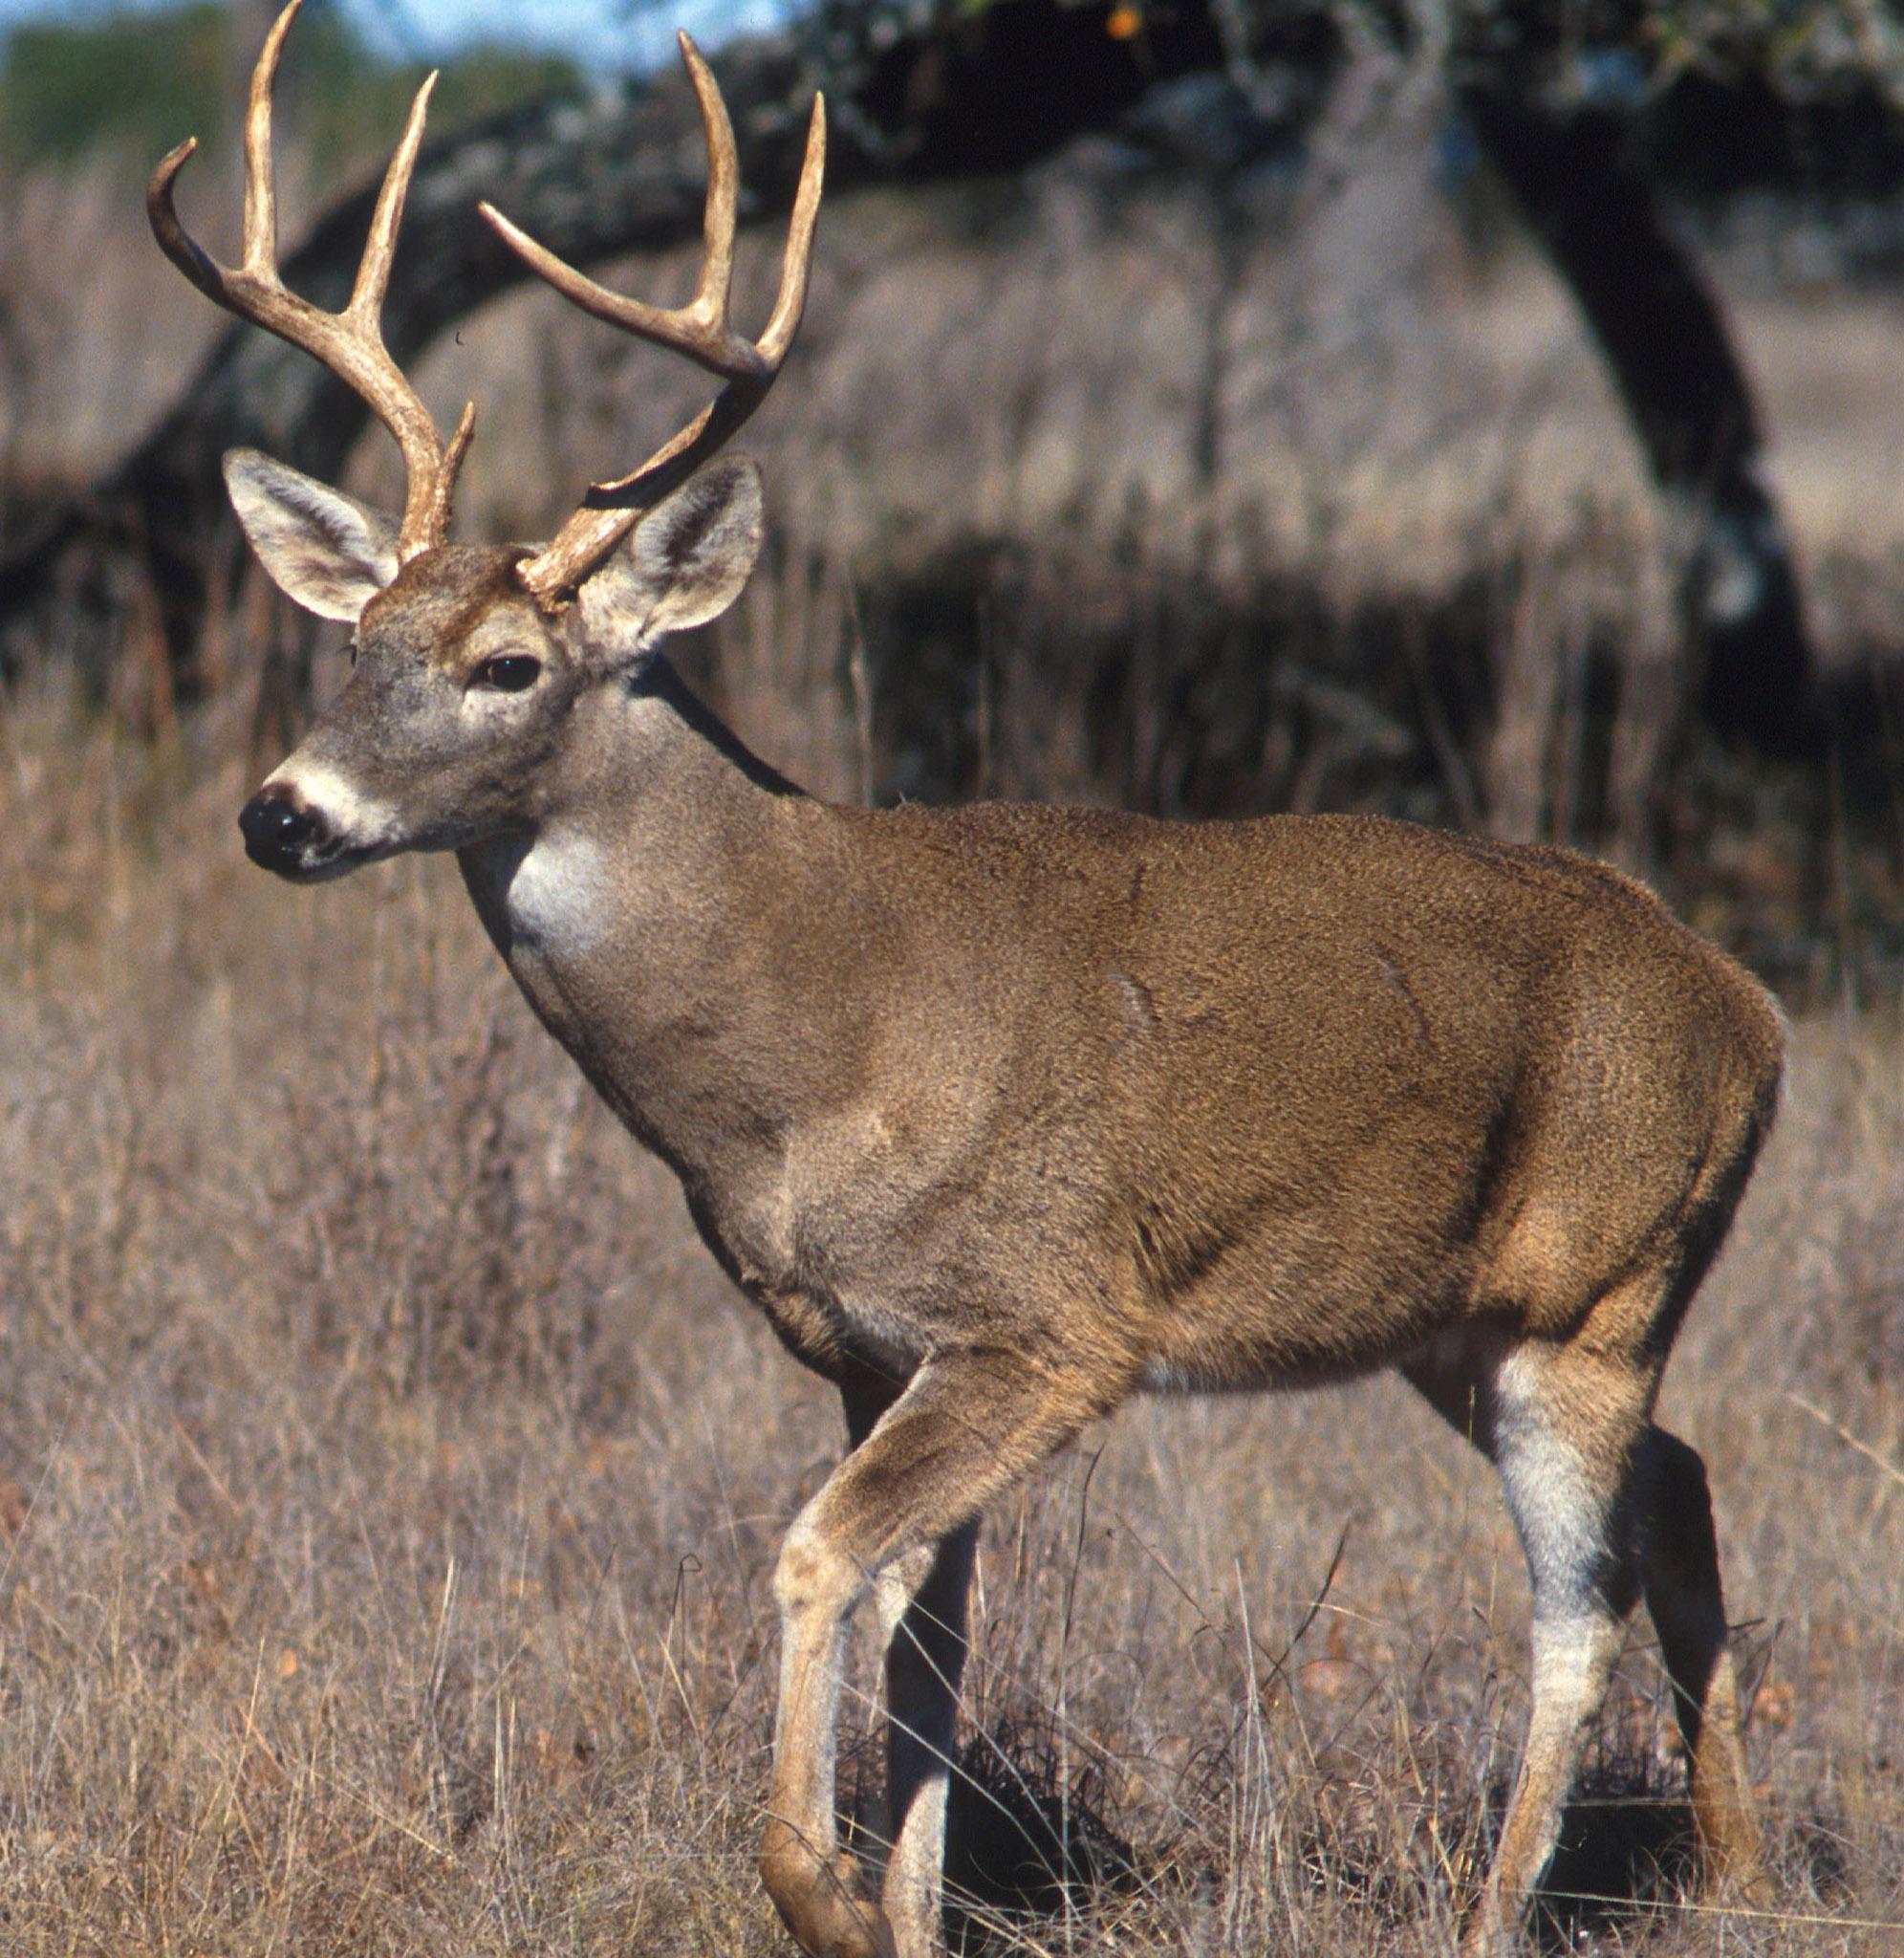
825,1903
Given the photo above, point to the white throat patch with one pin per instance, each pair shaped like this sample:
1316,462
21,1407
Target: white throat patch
558,899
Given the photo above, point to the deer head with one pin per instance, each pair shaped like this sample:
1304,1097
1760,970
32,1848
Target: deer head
472,667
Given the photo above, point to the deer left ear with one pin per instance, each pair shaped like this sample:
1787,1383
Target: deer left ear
687,562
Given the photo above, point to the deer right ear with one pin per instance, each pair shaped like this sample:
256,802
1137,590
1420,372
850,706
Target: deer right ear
325,550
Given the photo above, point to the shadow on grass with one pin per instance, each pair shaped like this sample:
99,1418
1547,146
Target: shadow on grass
1022,1844
1626,1849
1025,1844
1021,1841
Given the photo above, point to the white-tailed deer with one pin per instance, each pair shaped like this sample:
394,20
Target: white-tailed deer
1005,1113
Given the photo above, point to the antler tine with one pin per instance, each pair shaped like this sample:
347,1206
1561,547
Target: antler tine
379,246
791,307
351,343
699,330
709,304
260,240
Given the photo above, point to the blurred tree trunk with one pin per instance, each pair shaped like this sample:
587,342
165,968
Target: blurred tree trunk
1667,349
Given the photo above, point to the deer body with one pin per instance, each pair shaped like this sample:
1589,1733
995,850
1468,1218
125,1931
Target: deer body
1003,1113
1238,1104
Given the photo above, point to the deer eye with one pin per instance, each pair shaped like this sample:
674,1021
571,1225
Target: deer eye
510,672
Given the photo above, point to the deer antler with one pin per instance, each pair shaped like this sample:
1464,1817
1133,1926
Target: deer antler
699,330
351,343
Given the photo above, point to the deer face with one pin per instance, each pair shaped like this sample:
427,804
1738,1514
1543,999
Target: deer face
472,665
459,718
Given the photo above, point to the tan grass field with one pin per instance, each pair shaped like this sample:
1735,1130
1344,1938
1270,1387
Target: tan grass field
389,1486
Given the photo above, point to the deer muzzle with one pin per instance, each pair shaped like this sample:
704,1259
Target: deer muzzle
281,835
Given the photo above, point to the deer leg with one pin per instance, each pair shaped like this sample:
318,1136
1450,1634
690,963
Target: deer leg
1567,1427
1564,1428
921,1603
965,1430
1679,1564
925,1659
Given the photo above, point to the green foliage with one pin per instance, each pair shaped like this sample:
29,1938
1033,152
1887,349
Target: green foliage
128,79
354,103
138,81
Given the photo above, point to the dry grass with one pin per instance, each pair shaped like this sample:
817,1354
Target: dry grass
388,1489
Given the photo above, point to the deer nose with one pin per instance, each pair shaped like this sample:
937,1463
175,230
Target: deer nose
276,832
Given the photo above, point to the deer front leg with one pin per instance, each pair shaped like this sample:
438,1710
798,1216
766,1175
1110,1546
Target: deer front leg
925,1659
967,1426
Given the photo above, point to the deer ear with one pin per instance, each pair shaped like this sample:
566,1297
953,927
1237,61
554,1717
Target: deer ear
687,560
324,550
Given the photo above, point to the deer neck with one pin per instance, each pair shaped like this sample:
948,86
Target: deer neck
646,916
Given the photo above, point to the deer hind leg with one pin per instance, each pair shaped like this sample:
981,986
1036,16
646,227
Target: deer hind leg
1564,1427
965,1430
1679,1564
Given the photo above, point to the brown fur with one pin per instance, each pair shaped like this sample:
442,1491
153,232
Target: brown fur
1003,1114
437,602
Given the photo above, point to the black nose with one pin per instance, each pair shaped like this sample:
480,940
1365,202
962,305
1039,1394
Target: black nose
276,833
